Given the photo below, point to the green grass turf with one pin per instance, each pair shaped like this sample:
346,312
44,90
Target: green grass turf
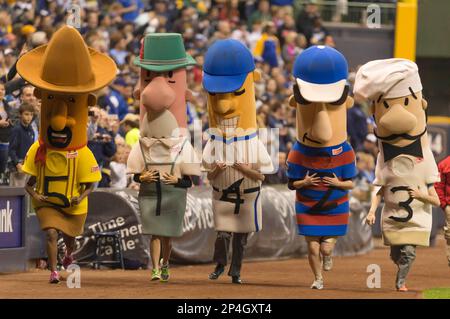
437,293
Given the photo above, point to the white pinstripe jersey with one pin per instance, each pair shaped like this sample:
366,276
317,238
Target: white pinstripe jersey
243,149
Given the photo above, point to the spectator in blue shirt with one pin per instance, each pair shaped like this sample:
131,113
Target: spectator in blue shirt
100,140
356,126
114,101
119,48
276,119
21,139
130,9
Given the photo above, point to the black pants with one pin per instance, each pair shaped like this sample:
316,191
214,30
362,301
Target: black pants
221,250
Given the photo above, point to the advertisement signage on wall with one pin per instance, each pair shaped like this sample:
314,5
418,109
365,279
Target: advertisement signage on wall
11,222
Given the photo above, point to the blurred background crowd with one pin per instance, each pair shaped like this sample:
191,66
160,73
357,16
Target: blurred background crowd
275,31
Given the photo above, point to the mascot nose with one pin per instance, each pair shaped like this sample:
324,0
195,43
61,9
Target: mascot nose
321,128
224,104
58,118
398,120
157,95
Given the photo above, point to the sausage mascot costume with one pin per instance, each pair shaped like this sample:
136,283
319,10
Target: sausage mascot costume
234,157
62,168
321,164
164,158
406,170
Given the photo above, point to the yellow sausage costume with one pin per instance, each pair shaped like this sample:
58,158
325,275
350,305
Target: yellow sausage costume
229,76
64,73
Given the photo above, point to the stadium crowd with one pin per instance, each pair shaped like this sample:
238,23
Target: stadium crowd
273,30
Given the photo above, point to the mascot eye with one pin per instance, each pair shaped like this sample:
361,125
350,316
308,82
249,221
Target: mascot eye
237,93
148,77
50,97
406,101
170,74
298,96
72,100
212,94
343,98
386,105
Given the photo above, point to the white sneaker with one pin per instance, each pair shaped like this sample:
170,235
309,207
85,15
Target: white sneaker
327,263
317,284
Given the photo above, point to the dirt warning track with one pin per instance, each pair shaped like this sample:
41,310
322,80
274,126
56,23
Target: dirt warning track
270,279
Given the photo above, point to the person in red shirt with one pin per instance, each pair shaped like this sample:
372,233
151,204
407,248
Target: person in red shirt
443,191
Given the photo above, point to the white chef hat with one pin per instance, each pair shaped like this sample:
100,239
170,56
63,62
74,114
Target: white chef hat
391,78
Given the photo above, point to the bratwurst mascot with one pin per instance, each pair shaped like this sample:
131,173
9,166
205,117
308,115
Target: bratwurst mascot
63,170
321,164
406,170
234,157
164,158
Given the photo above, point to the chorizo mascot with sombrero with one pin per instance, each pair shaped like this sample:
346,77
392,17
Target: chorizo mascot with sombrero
63,170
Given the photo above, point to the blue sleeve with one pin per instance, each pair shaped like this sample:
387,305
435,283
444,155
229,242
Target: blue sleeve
123,108
109,148
349,171
126,3
294,171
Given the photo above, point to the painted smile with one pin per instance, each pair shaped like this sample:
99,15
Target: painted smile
59,139
305,137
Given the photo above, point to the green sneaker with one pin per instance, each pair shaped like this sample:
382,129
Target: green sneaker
165,273
156,274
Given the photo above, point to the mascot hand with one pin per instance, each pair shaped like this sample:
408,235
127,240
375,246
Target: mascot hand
75,200
149,176
40,198
311,180
169,179
370,219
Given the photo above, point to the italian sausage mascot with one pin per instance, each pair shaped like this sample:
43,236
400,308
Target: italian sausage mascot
406,170
63,170
321,164
234,157
164,159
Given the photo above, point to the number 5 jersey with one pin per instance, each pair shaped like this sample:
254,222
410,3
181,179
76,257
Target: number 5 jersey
61,176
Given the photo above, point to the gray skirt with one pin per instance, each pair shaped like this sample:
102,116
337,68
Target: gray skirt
162,209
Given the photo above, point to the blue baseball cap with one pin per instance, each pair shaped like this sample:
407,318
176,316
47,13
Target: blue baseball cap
321,73
227,63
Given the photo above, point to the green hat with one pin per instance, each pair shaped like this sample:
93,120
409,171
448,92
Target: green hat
163,52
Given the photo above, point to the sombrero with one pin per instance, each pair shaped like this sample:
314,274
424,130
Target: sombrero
66,64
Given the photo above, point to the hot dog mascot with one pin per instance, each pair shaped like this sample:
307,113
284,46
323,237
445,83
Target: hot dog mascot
164,158
406,170
63,170
234,157
321,163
